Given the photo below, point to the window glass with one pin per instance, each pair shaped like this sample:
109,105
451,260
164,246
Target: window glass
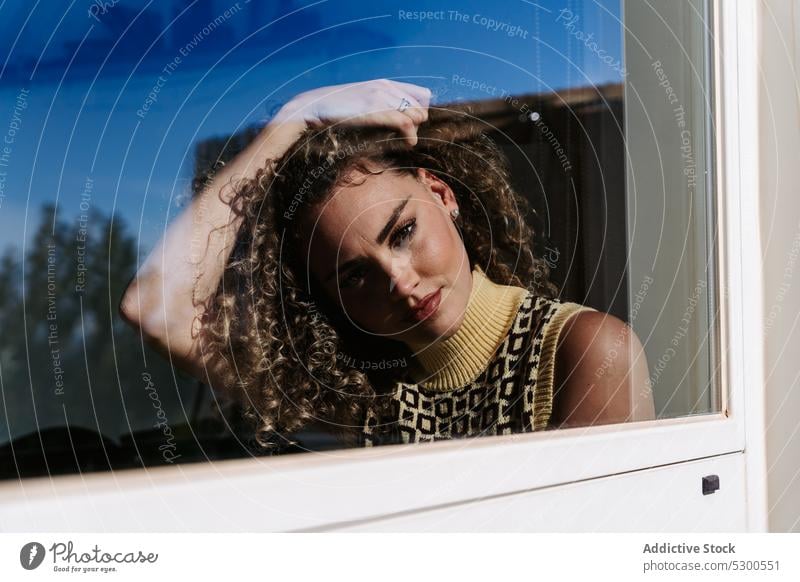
671,232
114,113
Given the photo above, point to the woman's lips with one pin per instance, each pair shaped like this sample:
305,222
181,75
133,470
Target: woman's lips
427,306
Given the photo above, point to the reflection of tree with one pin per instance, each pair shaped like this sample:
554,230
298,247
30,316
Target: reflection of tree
51,315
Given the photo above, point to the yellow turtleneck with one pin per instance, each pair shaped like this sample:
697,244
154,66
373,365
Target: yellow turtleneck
460,359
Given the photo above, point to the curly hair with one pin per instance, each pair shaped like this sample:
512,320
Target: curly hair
284,347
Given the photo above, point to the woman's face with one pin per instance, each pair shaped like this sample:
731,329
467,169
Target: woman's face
383,243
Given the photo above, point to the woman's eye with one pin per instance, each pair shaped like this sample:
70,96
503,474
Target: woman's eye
404,233
353,277
399,237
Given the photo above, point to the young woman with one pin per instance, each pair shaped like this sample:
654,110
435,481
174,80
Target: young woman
368,269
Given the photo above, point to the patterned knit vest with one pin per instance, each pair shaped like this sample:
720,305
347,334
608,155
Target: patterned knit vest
513,394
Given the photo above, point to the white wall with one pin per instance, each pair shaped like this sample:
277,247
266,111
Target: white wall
779,135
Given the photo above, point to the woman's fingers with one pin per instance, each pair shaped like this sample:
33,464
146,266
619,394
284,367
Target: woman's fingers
421,94
405,125
400,122
412,109
419,97
375,102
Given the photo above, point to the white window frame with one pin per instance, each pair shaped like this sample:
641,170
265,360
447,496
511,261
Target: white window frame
317,490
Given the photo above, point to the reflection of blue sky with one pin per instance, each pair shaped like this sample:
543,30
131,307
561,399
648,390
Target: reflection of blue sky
88,77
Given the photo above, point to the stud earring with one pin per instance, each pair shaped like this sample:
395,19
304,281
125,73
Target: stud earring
454,213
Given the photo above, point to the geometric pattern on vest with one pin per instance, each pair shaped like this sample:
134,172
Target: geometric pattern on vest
504,399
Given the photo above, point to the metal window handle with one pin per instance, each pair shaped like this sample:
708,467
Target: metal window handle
710,484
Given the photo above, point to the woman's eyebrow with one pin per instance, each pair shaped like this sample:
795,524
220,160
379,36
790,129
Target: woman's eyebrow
381,237
392,221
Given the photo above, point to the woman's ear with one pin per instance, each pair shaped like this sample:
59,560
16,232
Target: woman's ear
438,188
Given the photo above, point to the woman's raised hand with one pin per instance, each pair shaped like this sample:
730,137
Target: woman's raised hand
380,102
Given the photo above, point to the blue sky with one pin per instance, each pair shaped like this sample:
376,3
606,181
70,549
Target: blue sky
89,66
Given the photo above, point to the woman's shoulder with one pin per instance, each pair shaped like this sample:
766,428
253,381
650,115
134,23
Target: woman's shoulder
576,331
567,335
586,331
597,355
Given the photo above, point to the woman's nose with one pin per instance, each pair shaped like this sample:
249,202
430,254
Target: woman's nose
402,277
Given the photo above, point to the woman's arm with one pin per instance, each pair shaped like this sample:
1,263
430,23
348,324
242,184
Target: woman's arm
167,297
602,376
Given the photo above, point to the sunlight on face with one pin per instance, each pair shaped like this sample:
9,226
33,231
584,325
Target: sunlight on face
383,243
